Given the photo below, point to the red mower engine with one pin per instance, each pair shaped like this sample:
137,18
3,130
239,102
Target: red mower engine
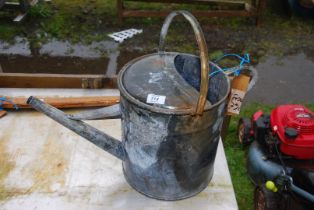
282,155
294,126
289,128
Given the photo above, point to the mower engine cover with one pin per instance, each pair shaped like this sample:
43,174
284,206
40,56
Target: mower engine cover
294,125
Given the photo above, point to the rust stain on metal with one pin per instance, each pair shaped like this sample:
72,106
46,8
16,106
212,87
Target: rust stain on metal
6,164
49,171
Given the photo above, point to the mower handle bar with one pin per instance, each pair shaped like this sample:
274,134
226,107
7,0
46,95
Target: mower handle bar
308,196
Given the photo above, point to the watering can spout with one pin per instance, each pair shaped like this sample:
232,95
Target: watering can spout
97,137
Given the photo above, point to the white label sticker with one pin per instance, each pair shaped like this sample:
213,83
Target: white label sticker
235,101
155,99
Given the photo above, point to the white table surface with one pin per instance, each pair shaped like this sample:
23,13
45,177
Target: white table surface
46,166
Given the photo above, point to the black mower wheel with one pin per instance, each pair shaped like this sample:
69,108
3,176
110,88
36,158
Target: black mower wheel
265,199
243,131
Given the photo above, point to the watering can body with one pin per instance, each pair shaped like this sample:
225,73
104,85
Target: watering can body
167,152
169,157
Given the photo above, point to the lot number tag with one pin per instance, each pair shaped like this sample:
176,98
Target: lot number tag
235,101
238,90
155,99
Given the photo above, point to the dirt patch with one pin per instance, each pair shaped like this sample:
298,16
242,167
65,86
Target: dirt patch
111,64
120,191
53,65
48,174
6,165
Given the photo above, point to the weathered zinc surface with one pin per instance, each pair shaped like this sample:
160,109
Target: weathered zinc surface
169,157
170,152
110,112
50,167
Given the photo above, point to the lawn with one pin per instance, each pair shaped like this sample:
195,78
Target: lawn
236,157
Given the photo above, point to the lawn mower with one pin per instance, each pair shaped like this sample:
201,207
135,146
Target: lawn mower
281,157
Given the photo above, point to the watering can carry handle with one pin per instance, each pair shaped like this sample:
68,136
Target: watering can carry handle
203,53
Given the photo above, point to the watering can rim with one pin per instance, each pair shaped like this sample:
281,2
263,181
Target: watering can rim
159,110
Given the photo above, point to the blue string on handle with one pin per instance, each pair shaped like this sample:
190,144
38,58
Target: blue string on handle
2,99
245,60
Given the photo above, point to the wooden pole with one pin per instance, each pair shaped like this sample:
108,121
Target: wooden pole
2,113
239,83
26,80
69,102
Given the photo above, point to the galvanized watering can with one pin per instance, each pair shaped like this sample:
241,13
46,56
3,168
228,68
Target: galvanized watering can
171,113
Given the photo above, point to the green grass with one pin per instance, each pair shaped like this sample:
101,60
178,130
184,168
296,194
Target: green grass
236,156
91,20
7,32
40,11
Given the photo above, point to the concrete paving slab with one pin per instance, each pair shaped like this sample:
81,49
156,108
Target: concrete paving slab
284,80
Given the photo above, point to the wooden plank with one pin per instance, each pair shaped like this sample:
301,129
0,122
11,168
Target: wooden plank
260,12
218,13
68,102
21,80
245,10
2,113
120,8
198,2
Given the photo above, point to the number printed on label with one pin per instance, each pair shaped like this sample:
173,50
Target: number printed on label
235,101
155,99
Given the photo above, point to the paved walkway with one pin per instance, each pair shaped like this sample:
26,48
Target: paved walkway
285,80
